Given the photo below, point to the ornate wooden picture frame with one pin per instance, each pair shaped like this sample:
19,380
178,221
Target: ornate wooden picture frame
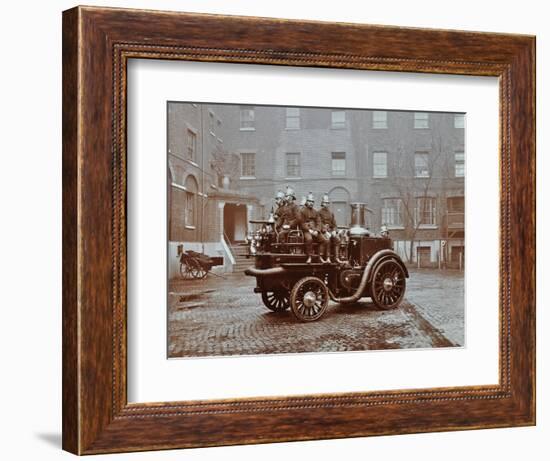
97,44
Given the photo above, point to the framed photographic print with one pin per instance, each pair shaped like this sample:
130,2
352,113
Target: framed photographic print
284,230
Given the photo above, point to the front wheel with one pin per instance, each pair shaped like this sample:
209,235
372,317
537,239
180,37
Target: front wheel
198,271
388,284
309,299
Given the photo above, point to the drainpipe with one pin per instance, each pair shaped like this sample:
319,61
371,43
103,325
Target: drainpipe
203,197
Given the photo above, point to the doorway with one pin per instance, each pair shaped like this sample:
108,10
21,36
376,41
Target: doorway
234,222
339,203
341,212
423,255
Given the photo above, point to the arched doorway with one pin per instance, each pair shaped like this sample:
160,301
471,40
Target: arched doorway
339,203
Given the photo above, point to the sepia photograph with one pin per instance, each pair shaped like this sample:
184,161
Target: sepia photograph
313,229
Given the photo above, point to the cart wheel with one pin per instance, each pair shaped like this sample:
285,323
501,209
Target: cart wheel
309,299
186,271
198,271
388,284
277,301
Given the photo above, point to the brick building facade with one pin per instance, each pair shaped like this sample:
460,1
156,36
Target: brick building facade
407,166
205,211
414,168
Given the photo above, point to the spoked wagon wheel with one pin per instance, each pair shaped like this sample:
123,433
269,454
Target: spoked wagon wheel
309,299
388,284
197,270
186,270
277,301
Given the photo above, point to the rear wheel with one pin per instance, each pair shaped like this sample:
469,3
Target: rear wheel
277,301
388,284
309,299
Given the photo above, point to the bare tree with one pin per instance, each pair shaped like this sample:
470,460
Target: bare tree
413,183
224,163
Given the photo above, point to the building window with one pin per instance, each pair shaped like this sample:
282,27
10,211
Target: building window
190,209
293,165
459,120
425,214
292,118
459,164
247,119
248,164
338,164
191,144
455,214
191,188
380,165
421,165
338,119
455,204
392,212
421,120
379,119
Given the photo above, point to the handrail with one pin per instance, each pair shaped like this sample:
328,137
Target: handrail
227,248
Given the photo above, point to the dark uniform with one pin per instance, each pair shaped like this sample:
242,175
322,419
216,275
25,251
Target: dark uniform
327,220
279,203
310,222
277,212
328,224
288,215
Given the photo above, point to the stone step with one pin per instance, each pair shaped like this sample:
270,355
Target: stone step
241,261
243,264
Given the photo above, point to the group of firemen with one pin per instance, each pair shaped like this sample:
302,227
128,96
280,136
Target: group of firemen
316,225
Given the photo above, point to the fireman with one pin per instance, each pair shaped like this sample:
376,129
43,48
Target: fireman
330,230
288,215
302,203
310,222
279,202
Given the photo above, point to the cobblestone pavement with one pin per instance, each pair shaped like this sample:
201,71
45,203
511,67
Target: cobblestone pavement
214,317
439,298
